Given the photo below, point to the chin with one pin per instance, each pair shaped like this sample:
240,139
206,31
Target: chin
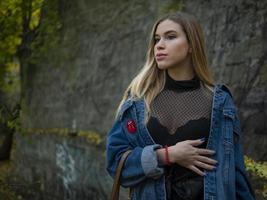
163,67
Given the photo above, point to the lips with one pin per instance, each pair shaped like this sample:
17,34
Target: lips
161,56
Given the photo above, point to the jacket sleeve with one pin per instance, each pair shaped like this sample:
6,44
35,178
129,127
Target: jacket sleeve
244,190
141,163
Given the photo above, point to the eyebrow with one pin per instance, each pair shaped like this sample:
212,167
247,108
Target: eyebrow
170,31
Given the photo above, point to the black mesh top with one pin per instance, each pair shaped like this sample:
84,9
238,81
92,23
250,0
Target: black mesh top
181,112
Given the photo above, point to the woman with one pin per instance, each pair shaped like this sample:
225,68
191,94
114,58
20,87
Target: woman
182,128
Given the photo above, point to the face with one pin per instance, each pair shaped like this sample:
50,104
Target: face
171,45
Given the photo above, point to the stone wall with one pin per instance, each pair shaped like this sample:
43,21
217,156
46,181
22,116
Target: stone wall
56,167
73,81
236,42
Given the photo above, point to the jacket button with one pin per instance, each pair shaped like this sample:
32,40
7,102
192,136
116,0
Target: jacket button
131,127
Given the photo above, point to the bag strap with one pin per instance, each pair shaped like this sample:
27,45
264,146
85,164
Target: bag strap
116,184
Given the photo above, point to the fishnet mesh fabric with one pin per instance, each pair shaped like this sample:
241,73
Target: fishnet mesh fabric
174,109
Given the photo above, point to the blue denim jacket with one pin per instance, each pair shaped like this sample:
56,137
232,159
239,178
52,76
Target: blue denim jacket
141,171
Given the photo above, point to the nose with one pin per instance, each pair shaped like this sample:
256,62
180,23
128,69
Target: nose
160,44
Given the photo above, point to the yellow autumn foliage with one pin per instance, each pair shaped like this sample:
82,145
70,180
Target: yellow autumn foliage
258,169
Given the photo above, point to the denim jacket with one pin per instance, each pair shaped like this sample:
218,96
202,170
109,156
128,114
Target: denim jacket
145,176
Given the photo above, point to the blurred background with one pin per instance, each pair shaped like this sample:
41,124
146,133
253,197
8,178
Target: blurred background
65,64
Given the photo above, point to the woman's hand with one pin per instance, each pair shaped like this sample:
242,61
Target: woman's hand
189,156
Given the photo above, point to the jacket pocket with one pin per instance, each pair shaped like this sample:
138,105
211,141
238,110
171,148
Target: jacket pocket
228,124
232,127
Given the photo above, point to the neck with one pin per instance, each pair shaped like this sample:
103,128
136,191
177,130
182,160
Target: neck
182,71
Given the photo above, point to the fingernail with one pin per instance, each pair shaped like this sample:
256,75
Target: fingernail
205,174
202,139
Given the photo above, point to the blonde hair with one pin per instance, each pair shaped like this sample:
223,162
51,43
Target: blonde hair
150,81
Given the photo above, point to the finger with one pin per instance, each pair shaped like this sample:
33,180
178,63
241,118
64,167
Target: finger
202,151
195,142
206,160
198,171
204,165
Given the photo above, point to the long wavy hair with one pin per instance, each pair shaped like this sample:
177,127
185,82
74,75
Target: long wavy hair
149,82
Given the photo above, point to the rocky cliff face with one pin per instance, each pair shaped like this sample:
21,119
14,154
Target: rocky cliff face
73,82
100,49
76,84
236,38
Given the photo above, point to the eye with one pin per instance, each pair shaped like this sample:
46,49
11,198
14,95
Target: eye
156,40
170,37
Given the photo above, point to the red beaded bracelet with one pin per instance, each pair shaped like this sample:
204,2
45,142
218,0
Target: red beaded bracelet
167,159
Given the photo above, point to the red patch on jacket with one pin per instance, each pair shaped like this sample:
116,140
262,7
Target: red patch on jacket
131,127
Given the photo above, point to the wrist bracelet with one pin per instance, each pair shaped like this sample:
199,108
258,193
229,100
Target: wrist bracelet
167,159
